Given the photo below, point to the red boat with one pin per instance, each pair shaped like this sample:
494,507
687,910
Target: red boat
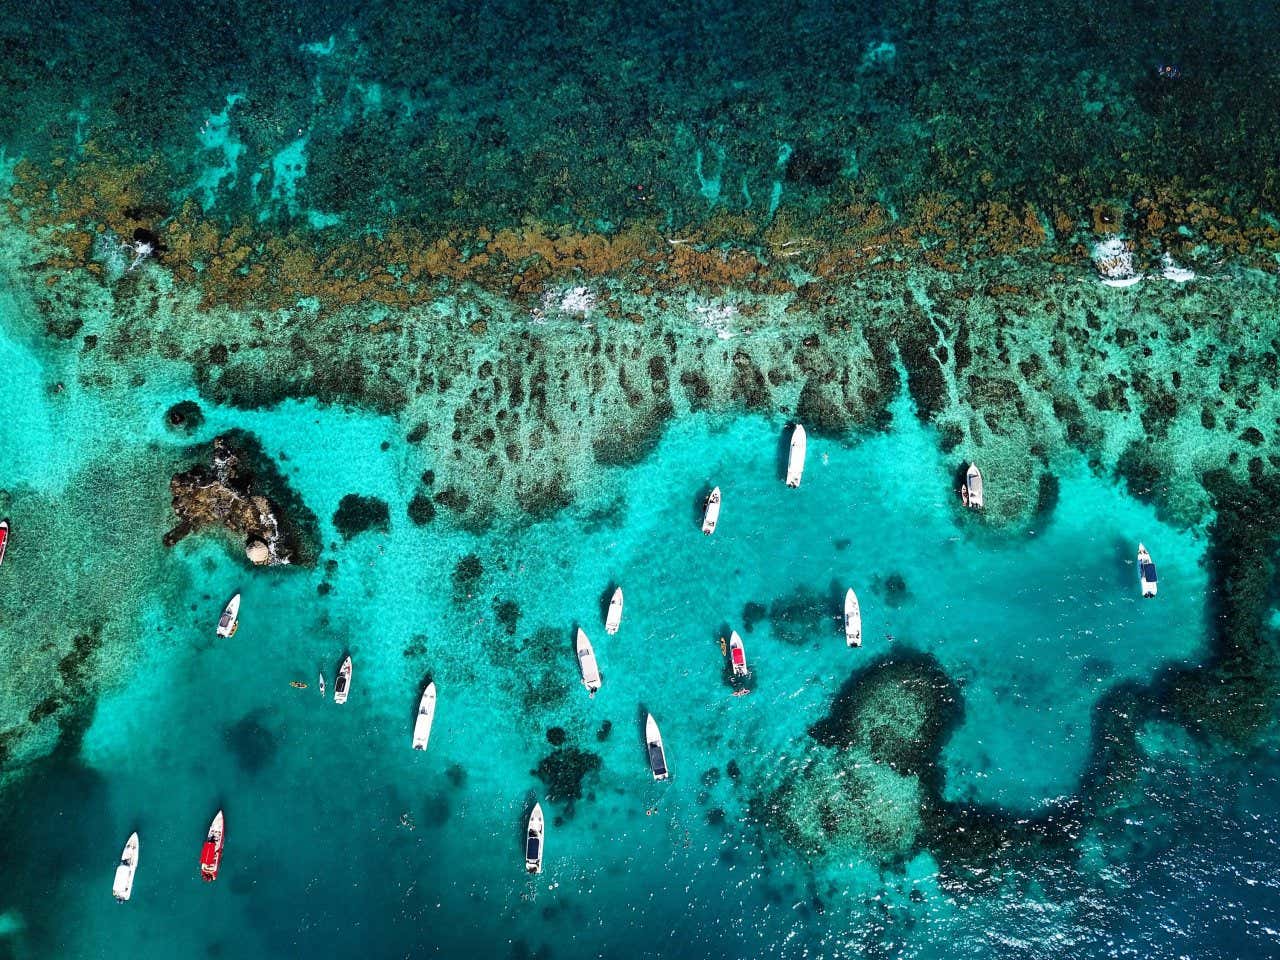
4,537
211,855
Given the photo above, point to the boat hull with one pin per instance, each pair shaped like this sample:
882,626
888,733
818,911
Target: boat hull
587,665
657,752
211,853
229,622
533,841
737,655
852,620
795,459
4,538
122,887
973,495
342,683
614,618
711,514
426,715
1146,573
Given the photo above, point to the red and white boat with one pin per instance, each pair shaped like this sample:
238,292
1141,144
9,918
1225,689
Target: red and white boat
737,655
211,854
4,537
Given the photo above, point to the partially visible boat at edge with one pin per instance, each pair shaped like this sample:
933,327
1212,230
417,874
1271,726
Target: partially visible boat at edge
852,620
657,753
711,515
795,459
533,840
342,683
737,654
122,888
614,617
211,852
426,713
971,492
229,622
4,538
1146,572
587,663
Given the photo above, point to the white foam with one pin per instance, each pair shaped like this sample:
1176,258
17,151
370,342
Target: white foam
1171,271
1113,260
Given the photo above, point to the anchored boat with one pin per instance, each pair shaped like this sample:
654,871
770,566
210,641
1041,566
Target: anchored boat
426,713
533,840
657,755
737,655
795,459
587,663
614,617
211,853
229,622
852,620
342,683
971,492
1146,572
711,515
122,889
4,537
322,684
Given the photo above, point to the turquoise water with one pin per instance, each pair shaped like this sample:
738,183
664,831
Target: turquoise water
343,841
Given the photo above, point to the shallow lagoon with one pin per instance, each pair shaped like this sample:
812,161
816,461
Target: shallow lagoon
338,832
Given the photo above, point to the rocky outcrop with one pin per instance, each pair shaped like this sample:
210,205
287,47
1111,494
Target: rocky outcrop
239,492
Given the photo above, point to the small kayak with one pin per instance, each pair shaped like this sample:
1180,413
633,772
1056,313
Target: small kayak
297,684
614,618
711,515
122,888
229,622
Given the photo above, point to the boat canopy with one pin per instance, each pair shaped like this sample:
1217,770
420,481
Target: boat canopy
738,657
533,848
657,760
1149,571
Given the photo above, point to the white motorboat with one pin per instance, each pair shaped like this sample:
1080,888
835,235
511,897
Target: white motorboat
711,515
795,459
1146,572
852,620
657,754
533,840
737,655
587,663
971,492
122,889
342,683
322,684
614,617
229,622
426,713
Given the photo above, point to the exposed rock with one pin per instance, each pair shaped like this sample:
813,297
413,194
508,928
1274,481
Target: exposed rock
222,494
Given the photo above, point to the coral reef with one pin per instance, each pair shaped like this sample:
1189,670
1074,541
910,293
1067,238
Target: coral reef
357,514
223,495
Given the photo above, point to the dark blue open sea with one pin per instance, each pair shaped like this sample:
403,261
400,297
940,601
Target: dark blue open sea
424,327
